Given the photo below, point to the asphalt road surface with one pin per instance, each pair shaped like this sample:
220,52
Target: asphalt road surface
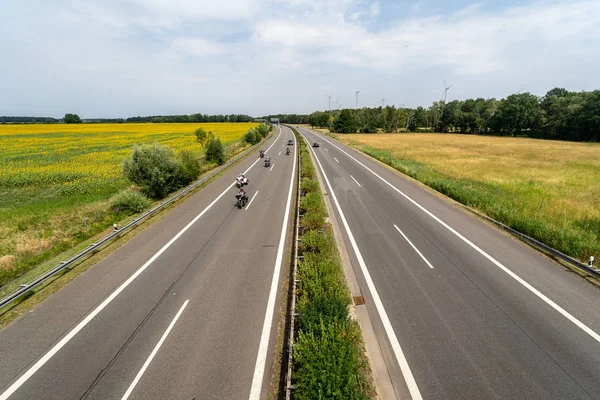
182,311
462,310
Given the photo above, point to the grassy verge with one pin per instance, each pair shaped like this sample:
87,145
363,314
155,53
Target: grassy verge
547,190
329,359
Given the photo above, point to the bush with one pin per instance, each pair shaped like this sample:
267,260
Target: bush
190,167
328,309
154,168
201,136
315,242
250,137
312,202
328,365
129,201
309,186
215,152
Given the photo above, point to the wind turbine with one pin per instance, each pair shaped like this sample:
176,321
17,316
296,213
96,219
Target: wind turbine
338,103
329,97
446,88
356,97
382,102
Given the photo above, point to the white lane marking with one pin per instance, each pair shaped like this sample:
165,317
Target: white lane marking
271,169
279,154
261,358
251,200
387,325
355,180
40,363
156,348
326,149
336,160
516,277
414,247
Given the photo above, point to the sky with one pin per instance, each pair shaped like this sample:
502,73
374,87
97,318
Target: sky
121,58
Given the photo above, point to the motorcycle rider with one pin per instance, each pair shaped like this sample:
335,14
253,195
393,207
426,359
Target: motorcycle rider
242,178
242,196
287,151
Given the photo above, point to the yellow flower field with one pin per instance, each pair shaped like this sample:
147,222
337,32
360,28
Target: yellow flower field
89,156
56,181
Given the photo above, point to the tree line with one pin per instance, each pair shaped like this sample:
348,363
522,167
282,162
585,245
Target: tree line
559,114
75,119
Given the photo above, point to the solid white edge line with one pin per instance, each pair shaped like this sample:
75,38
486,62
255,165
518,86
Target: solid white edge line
153,354
251,200
400,358
44,359
355,181
336,160
261,358
516,277
414,247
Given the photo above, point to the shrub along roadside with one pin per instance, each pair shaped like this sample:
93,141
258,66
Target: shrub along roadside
328,360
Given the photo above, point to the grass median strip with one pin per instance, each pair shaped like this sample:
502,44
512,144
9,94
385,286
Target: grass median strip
329,358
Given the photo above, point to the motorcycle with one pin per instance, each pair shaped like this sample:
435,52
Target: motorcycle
239,181
267,162
242,199
261,153
287,151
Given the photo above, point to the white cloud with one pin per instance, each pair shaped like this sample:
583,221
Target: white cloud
156,56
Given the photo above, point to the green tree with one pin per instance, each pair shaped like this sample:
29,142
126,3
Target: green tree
72,119
346,122
518,113
154,168
202,136
215,152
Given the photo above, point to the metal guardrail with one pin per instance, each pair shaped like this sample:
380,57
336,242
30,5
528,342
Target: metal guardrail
527,239
24,288
541,246
288,384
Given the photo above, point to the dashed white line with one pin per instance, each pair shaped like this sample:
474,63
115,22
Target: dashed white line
355,180
272,166
497,263
411,383
326,149
263,348
279,154
153,354
414,247
67,338
251,200
336,160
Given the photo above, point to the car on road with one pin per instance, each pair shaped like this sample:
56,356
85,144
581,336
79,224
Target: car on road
315,144
290,142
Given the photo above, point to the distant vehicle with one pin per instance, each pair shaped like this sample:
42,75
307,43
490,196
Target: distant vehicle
267,161
290,142
315,144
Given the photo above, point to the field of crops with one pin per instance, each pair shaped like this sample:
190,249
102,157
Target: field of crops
547,189
55,179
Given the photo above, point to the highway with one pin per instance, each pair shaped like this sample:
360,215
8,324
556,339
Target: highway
187,309
461,310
